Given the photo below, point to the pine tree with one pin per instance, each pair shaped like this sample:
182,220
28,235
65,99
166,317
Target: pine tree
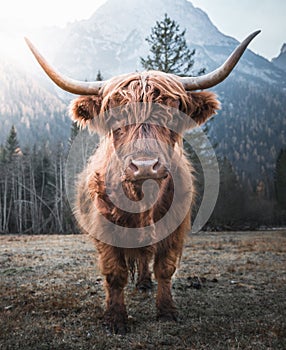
169,50
99,77
230,206
2,154
280,179
12,144
73,133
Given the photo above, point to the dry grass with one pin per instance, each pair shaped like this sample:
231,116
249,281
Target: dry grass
230,291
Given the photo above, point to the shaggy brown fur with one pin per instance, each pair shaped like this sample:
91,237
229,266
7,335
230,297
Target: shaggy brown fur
135,94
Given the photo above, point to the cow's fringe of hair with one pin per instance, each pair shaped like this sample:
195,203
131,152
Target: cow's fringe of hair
132,264
146,87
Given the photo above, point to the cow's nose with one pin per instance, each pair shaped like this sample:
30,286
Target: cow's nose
145,168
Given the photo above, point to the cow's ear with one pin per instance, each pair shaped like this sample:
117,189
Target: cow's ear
201,106
85,109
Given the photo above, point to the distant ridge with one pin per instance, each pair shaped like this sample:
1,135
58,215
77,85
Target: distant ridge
113,39
280,60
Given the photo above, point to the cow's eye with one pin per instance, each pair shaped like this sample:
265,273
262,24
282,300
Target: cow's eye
117,133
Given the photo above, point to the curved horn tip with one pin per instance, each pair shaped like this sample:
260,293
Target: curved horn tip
256,32
64,82
28,42
252,35
217,76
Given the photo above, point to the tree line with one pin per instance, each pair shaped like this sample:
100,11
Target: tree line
240,205
33,199
32,188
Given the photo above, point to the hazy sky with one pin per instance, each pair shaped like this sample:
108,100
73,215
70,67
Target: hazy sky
236,18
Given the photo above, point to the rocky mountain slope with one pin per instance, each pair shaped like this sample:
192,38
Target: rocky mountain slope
113,40
38,114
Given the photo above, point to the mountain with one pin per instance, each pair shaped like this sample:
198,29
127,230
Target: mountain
37,113
250,130
113,40
280,60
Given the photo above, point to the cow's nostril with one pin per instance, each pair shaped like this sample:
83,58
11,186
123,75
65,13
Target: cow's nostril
156,166
133,167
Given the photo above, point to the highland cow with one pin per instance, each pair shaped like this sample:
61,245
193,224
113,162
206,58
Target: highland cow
140,119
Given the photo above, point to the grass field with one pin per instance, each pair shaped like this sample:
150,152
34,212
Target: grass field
230,291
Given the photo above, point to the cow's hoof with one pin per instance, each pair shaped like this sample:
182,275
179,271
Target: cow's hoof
144,286
167,316
115,323
119,329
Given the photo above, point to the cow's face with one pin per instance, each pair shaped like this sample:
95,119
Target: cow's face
144,150
144,116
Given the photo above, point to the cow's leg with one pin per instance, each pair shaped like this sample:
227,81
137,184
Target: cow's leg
144,282
168,253
113,266
164,268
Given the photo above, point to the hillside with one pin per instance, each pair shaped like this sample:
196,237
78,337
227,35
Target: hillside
39,115
250,130
280,60
112,41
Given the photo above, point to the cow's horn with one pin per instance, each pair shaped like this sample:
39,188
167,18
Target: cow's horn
67,84
217,76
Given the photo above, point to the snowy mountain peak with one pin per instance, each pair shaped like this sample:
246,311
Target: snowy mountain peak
113,39
143,14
